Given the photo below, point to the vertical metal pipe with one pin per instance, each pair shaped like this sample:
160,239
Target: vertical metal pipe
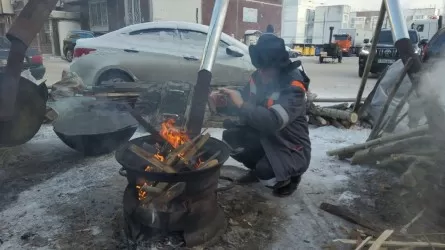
401,35
397,20
370,56
214,34
196,111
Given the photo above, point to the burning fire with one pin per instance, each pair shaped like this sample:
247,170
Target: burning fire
173,135
176,138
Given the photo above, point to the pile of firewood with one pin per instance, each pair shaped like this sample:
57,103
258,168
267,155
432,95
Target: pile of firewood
416,154
340,115
367,235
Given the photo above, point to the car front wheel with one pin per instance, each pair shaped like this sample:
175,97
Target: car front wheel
114,76
69,55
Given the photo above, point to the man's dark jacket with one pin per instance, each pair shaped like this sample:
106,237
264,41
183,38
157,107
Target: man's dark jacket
278,112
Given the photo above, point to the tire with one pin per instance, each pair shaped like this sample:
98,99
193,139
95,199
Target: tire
360,72
340,58
320,59
114,76
69,53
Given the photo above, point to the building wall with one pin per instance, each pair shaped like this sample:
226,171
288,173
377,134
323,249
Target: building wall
239,19
177,10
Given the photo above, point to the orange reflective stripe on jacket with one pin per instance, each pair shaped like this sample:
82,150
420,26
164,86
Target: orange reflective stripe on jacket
270,102
299,85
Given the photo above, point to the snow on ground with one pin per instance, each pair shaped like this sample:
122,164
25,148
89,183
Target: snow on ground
45,207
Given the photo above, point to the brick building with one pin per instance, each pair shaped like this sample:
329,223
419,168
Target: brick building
245,15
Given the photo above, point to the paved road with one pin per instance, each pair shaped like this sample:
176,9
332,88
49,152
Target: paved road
335,79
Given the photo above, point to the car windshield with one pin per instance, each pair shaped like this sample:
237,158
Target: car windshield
341,37
385,37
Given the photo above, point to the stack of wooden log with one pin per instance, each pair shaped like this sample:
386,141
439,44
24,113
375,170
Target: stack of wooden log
415,153
338,115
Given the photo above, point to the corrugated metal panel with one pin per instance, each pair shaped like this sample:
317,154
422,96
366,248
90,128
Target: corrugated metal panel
261,13
177,10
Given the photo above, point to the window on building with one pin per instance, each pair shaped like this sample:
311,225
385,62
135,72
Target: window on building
133,12
98,15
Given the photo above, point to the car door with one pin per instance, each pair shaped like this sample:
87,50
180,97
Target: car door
153,54
227,70
436,46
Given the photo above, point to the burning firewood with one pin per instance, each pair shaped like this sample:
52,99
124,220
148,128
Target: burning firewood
195,148
173,153
151,159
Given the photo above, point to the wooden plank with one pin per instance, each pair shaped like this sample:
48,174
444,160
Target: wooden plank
348,216
382,238
364,242
151,159
396,243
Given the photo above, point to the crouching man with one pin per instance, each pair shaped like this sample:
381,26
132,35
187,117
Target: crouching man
272,137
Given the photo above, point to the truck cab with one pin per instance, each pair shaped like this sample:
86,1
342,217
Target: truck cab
426,27
344,41
386,53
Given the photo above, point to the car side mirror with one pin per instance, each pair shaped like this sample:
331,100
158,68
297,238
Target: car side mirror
234,51
366,40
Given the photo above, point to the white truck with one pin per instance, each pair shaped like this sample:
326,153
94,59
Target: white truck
357,38
426,27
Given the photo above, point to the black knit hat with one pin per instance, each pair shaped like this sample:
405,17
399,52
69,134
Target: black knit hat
269,52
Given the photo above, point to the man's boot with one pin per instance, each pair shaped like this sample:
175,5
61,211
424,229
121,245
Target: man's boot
248,178
286,188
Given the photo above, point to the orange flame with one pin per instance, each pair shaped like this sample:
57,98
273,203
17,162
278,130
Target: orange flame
173,135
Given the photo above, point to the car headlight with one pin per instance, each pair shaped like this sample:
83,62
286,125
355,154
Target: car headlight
417,50
364,51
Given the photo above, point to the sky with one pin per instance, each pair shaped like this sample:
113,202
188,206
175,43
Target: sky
375,5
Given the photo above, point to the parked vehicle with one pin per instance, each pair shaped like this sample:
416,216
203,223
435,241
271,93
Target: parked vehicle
158,52
33,59
435,48
351,40
331,50
70,42
426,28
293,53
386,53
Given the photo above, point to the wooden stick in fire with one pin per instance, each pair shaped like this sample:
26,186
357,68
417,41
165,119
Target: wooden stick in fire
211,162
195,148
147,126
150,159
174,155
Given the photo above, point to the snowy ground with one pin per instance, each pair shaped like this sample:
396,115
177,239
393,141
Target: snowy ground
66,198
54,198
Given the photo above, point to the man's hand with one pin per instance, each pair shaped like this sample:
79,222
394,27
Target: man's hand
234,95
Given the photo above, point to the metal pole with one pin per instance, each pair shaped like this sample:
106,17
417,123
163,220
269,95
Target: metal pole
370,56
398,22
214,34
195,114
401,36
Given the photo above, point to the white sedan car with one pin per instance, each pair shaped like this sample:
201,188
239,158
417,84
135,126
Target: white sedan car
158,52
